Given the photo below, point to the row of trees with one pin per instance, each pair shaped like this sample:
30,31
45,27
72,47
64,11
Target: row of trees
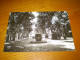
56,22
19,22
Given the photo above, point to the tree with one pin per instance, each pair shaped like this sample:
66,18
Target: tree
19,22
44,20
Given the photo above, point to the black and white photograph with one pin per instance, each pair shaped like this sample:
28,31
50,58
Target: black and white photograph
39,32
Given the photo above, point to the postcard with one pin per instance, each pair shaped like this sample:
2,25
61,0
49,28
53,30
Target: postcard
39,32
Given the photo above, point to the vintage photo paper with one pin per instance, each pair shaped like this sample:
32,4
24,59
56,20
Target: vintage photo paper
39,32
